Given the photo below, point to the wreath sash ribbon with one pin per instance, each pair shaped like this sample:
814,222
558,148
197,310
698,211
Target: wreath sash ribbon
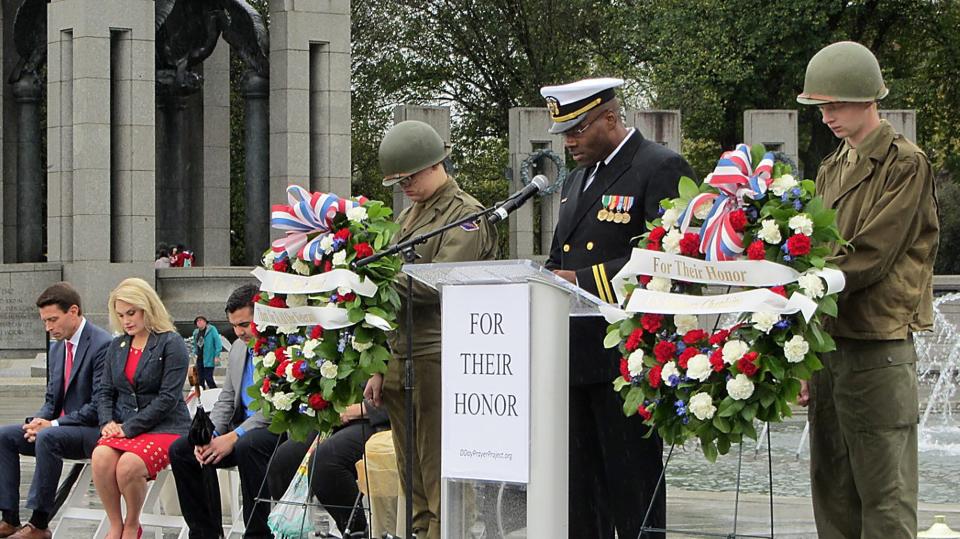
307,214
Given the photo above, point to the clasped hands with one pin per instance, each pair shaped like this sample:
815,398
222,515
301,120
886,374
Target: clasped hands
32,428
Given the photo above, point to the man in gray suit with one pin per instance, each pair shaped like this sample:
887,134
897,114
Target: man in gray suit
66,426
241,439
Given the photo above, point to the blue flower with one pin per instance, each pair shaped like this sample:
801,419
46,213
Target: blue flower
661,211
795,191
685,420
681,346
752,213
785,197
787,258
705,350
797,205
674,379
679,404
784,323
302,408
784,248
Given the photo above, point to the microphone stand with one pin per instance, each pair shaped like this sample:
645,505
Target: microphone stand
407,249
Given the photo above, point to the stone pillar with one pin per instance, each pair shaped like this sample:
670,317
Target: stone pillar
437,118
8,148
256,91
100,144
309,96
660,126
30,201
528,128
775,129
214,222
904,121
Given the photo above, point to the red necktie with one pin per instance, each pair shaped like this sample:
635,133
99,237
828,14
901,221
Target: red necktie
67,368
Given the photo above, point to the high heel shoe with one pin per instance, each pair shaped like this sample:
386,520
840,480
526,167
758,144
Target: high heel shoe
139,532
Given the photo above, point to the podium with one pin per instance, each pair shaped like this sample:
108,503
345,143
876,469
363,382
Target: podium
505,384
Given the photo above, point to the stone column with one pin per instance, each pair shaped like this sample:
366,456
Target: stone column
528,128
309,96
775,129
29,170
256,91
214,221
904,121
660,126
437,118
100,143
8,176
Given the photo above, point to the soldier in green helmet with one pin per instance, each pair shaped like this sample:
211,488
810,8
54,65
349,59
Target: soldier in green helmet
412,155
864,403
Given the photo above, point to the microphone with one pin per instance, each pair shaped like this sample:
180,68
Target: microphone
539,183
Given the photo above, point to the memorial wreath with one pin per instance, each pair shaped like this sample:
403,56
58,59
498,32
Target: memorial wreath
751,226
320,326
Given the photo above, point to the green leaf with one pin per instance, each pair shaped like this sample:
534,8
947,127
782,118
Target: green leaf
709,450
749,412
723,445
749,430
612,340
828,305
619,383
633,400
688,188
722,424
355,315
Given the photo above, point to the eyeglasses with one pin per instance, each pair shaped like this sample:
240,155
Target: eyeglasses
407,180
576,132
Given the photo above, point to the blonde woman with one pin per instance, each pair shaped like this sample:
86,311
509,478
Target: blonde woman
141,404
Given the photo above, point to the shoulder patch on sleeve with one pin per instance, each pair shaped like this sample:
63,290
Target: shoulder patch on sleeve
471,226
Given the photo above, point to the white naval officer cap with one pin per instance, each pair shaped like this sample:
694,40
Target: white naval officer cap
570,103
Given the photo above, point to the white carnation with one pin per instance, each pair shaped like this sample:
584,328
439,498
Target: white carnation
764,321
329,370
289,329
296,300
671,242
669,371
734,350
801,224
701,406
269,360
699,367
635,363
796,349
269,258
326,243
357,214
740,388
670,218
360,346
308,411
288,372
811,285
769,232
702,211
309,347
783,184
685,323
659,284
283,401
339,258
300,267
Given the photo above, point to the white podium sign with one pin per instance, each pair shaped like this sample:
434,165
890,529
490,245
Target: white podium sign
486,382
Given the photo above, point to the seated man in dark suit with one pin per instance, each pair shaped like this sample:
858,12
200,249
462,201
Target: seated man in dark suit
241,439
66,426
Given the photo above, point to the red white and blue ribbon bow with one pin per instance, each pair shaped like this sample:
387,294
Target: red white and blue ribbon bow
735,178
308,213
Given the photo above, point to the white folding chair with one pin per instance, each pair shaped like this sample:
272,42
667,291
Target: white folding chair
74,508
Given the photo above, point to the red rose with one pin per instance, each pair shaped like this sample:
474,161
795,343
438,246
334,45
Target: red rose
751,357
281,354
624,370
756,251
644,413
651,322
690,244
281,265
654,376
779,290
746,366
664,351
316,331
798,245
317,402
363,250
644,280
716,360
634,340
349,296
299,370
738,220
342,234
657,234
277,301
654,246
266,386
281,369
686,355
694,336
719,337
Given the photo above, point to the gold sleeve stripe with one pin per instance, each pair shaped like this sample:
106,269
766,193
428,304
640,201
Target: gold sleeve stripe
596,277
606,284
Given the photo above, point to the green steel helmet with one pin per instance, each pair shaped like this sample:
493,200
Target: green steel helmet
843,71
408,148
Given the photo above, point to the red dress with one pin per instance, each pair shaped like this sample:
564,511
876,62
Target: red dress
151,447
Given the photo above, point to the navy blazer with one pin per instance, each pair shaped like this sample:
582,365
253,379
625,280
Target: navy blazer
596,250
154,402
79,399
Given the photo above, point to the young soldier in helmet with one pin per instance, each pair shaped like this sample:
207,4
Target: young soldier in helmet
412,155
864,404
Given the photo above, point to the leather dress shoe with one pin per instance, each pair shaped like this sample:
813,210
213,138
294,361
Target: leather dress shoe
7,529
30,532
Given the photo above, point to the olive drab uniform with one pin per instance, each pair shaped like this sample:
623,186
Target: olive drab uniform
864,403
459,244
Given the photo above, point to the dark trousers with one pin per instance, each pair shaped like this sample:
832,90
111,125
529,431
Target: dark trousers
52,445
613,468
333,469
205,374
200,494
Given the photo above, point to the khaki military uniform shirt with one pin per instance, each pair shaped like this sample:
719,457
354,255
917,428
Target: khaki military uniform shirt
459,244
886,205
